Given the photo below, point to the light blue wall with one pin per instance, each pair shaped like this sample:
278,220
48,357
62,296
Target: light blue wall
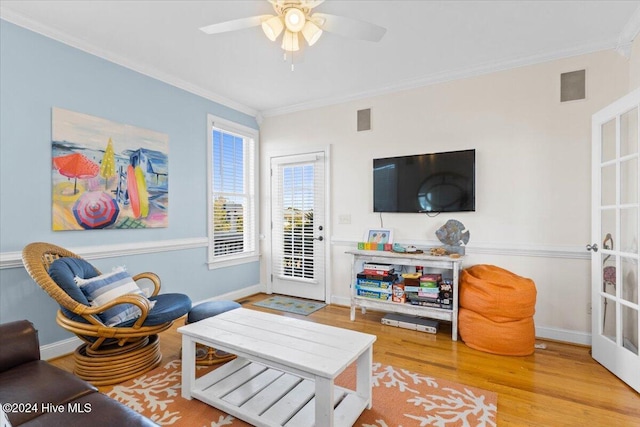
37,74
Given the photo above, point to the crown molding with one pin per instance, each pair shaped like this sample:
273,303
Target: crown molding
622,45
62,37
628,34
631,29
448,76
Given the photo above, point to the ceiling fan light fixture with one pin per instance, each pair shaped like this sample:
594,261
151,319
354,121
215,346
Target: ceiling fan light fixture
311,32
272,27
290,42
294,19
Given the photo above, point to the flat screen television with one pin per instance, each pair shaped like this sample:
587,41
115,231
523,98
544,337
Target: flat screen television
437,182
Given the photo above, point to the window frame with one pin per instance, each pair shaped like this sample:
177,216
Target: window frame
251,136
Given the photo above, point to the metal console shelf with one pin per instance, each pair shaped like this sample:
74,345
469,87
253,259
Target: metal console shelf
427,261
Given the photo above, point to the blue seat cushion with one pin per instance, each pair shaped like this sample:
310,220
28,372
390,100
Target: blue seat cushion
210,309
63,271
168,308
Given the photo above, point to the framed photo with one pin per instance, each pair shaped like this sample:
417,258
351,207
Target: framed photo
379,235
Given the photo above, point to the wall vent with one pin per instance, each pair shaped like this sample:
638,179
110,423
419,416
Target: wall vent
364,120
573,86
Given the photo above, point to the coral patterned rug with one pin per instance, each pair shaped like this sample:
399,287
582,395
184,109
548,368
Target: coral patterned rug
400,398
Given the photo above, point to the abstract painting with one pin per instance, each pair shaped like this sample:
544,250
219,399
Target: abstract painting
107,174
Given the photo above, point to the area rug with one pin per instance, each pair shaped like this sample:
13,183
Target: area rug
400,398
290,305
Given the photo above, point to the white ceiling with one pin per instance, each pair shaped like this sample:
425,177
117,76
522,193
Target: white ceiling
426,42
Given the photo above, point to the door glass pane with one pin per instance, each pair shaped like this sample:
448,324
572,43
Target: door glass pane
609,277
609,140
629,279
629,181
630,329
608,228
298,201
608,185
608,319
629,132
629,230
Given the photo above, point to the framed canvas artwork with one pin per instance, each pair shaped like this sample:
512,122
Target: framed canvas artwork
107,174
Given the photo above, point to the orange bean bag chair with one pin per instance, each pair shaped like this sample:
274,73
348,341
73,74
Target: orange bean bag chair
496,311
496,293
516,338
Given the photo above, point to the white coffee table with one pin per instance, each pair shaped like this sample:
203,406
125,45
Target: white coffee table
285,370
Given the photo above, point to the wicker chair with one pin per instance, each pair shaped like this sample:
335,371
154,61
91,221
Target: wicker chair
110,354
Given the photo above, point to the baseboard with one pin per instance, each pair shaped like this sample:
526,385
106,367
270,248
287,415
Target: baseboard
65,347
345,301
563,335
59,348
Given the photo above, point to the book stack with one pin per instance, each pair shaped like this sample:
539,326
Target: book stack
432,291
376,281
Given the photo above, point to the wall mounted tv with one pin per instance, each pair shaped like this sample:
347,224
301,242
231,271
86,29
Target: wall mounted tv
437,182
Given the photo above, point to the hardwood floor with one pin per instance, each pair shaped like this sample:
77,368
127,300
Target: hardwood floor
560,385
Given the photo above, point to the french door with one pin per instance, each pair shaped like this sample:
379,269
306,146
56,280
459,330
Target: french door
298,227
615,232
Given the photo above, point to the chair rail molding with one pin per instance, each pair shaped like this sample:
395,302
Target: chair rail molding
14,259
506,249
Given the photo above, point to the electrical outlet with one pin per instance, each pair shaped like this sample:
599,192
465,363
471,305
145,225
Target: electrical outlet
344,219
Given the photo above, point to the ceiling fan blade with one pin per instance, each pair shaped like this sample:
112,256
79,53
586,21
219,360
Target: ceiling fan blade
236,24
348,27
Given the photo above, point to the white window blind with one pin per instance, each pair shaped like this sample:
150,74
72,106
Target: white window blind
296,222
232,200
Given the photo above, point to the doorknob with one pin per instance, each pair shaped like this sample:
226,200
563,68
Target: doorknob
593,247
320,238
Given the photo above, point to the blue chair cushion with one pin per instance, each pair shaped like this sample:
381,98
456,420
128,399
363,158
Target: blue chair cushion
63,271
168,308
210,309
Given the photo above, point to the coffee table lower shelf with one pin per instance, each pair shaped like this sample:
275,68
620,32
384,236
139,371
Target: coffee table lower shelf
263,396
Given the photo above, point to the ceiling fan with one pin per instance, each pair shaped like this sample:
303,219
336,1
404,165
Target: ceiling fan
294,17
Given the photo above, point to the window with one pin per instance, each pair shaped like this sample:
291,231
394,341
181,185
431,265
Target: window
232,218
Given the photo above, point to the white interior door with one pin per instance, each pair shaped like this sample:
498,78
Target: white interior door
298,228
615,226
